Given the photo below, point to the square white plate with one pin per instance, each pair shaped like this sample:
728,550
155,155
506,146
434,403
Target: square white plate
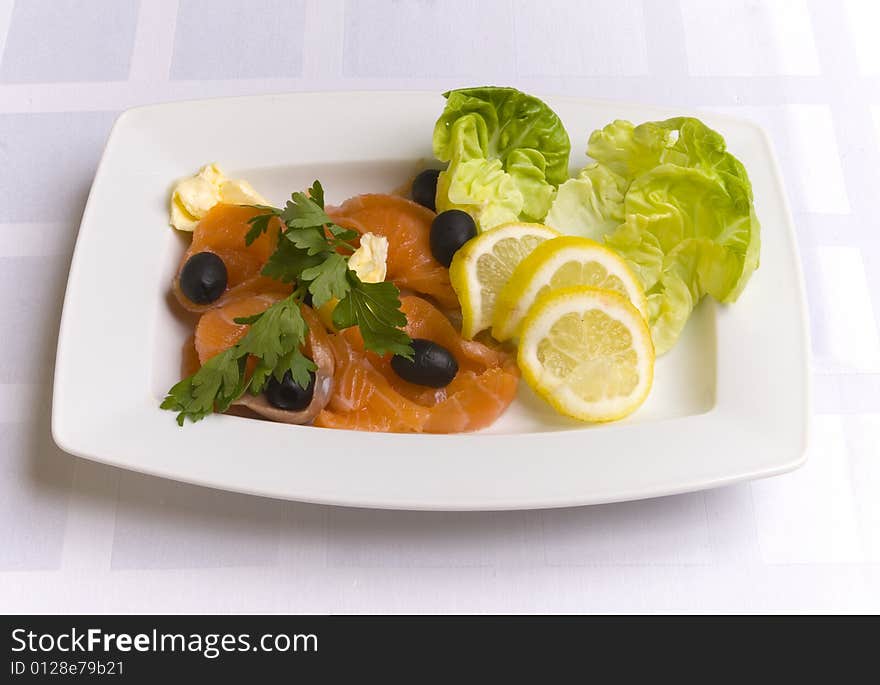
729,403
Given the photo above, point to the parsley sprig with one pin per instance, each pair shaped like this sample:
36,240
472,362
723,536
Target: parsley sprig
312,252
274,339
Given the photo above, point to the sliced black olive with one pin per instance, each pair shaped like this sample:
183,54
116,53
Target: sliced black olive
432,365
203,277
288,394
449,231
424,188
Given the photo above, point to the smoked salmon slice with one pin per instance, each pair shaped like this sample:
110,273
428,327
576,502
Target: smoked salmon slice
369,395
217,331
362,398
407,225
222,231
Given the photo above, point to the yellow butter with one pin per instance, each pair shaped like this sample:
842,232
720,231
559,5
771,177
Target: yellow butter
369,260
193,197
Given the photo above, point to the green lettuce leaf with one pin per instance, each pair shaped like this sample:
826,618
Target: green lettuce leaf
669,307
638,245
683,141
590,204
467,138
513,121
687,222
481,188
629,150
687,203
511,133
527,168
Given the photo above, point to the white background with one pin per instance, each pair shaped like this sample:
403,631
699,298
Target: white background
80,537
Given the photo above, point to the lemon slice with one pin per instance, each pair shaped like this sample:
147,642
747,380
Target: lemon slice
560,263
588,352
483,265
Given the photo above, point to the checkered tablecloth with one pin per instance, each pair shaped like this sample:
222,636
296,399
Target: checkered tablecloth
80,537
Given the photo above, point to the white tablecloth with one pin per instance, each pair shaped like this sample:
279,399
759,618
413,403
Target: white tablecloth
80,537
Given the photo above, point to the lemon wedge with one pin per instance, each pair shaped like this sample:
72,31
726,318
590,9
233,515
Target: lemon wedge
560,263
588,352
483,265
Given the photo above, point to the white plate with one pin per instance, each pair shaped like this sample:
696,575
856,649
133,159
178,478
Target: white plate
729,403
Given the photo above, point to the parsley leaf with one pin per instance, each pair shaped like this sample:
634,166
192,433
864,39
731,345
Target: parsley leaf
273,336
299,366
312,240
375,309
288,262
301,211
215,386
344,234
316,192
259,224
327,280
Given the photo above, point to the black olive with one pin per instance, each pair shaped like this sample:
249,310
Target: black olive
432,365
424,188
203,277
449,231
288,394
